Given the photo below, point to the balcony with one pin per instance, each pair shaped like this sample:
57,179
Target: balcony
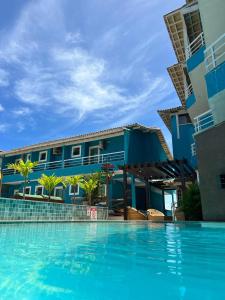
75,162
195,45
204,121
215,53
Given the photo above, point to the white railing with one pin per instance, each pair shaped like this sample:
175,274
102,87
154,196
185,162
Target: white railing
215,53
195,45
75,162
188,91
204,121
193,149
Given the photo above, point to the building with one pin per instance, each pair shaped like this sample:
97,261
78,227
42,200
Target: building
86,154
197,33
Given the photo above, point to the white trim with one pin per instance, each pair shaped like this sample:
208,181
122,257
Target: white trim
28,155
28,187
40,153
78,155
16,191
96,156
178,128
17,160
39,186
57,188
78,190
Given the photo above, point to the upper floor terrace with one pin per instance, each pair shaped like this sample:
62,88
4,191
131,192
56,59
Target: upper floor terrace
86,153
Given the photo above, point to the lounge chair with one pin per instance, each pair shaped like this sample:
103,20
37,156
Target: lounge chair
155,215
134,214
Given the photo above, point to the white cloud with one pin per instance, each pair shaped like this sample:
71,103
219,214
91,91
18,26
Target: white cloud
22,111
3,127
56,72
1,108
4,78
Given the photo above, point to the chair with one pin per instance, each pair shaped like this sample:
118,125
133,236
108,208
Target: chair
134,214
155,215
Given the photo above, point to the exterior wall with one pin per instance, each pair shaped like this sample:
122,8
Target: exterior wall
197,77
216,91
144,147
20,210
213,21
182,141
157,199
211,161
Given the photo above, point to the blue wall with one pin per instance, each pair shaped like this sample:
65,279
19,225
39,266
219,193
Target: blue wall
196,59
144,147
182,145
215,80
190,100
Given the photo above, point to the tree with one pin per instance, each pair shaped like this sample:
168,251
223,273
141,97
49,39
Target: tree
191,203
24,168
89,185
49,183
73,181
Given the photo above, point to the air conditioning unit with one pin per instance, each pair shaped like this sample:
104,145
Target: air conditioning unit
102,144
57,151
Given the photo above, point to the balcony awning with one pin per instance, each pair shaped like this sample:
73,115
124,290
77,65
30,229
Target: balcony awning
180,170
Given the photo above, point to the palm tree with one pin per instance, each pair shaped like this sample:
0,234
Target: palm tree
89,184
73,181
49,183
24,168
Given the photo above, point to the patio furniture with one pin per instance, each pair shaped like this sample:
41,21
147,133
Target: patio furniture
134,214
155,215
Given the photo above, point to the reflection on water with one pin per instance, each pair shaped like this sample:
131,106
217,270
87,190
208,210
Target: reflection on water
111,261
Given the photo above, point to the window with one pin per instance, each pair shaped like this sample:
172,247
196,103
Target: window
184,119
29,157
43,156
76,151
58,191
72,188
17,160
222,181
39,190
27,190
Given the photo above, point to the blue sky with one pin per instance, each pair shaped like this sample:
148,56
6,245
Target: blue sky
69,67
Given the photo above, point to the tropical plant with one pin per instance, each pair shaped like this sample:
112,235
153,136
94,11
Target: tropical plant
191,203
24,168
49,183
73,181
89,184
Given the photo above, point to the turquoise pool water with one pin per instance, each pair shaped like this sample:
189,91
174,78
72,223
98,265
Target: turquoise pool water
112,261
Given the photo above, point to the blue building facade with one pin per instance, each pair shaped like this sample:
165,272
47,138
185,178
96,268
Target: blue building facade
86,154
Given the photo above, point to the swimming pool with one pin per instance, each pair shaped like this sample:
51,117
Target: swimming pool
112,261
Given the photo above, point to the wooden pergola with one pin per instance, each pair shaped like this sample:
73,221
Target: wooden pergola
157,173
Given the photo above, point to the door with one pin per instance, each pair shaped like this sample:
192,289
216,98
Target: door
94,153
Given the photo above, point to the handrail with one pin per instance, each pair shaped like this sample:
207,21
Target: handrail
215,53
74,162
195,45
204,121
189,90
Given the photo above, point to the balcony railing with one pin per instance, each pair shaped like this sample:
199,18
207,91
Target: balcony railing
215,53
195,45
204,121
188,91
75,162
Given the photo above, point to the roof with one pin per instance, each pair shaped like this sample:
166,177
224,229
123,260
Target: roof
177,75
166,113
90,137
